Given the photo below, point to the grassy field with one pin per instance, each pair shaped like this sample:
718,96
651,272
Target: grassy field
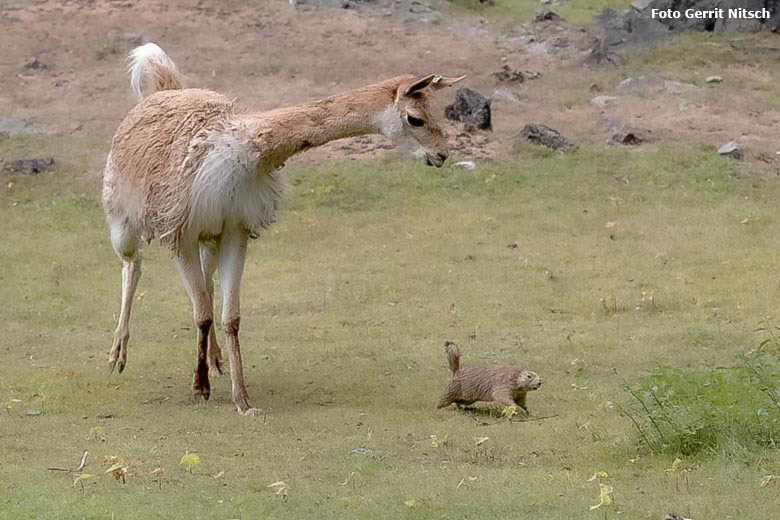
546,260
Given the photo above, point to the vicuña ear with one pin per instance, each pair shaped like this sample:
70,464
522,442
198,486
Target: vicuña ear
441,81
419,85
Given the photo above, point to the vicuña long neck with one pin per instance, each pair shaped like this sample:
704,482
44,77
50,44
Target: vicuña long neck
284,132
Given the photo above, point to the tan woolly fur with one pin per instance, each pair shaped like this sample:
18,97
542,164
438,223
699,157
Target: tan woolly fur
190,168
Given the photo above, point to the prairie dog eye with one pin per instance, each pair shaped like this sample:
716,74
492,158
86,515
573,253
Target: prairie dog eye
528,376
414,121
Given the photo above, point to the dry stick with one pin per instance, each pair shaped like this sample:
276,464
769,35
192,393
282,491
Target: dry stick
68,470
83,461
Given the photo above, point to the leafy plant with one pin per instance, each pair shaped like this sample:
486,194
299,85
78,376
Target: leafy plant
686,412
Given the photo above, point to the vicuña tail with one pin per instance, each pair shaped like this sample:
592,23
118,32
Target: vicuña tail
453,356
151,69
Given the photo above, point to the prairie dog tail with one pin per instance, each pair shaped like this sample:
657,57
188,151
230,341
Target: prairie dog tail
453,356
150,67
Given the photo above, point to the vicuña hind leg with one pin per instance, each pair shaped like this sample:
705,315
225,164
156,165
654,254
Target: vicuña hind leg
232,254
208,263
188,264
126,246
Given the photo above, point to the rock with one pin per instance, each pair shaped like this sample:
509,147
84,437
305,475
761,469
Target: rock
13,125
465,165
363,451
547,16
33,413
618,131
546,136
508,75
470,107
637,26
713,79
644,84
34,63
731,149
622,30
602,101
29,166
685,104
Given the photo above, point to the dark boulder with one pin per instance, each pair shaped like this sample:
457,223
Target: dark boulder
470,107
546,136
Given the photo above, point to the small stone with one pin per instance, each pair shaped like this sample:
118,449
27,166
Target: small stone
602,101
644,84
465,165
546,136
731,149
29,166
713,79
33,413
363,451
508,75
34,63
547,16
618,131
689,103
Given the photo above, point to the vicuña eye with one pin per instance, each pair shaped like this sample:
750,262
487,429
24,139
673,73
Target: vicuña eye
414,121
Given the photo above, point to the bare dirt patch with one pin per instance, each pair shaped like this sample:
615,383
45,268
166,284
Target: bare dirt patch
278,54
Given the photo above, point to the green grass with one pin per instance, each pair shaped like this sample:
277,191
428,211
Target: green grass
578,12
346,304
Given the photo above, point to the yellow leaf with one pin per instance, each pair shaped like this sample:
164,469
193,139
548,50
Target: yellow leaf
605,496
598,474
280,487
115,467
189,460
409,503
509,411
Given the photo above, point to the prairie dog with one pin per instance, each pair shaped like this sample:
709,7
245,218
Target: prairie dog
503,384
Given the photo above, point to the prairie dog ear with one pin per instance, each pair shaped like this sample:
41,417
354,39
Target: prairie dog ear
419,84
439,82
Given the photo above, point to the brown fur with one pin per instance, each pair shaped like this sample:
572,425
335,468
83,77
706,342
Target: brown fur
503,384
156,150
188,168
160,143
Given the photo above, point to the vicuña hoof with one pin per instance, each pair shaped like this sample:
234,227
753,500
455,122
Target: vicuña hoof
201,386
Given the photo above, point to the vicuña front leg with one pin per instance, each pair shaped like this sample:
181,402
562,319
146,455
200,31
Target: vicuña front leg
131,272
188,263
232,253
208,263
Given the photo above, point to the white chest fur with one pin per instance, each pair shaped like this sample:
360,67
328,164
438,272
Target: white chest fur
230,189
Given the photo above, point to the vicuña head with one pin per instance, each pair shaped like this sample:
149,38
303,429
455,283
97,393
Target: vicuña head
411,117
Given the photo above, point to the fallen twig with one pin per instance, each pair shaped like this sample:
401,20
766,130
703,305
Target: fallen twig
68,470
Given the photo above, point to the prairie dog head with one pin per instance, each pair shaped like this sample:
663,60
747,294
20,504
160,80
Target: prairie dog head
528,381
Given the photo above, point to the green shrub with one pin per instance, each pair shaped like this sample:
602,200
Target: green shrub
723,409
